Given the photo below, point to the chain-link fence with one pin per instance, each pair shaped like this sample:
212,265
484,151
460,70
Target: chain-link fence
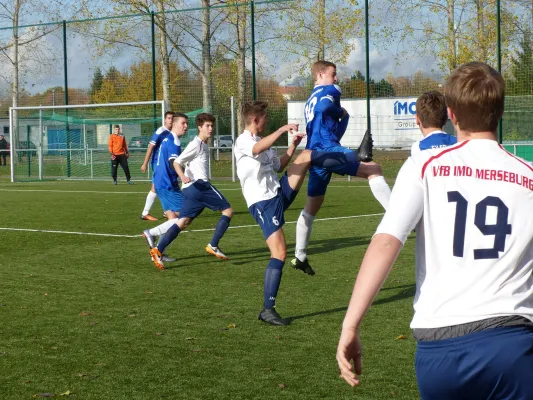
198,54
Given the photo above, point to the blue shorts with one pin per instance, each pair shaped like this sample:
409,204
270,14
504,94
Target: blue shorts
319,177
200,195
171,199
269,214
491,364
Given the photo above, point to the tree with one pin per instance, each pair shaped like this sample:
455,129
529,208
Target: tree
96,84
522,68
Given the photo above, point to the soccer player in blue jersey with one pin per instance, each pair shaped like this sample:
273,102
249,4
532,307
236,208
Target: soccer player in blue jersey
151,152
431,116
326,122
192,166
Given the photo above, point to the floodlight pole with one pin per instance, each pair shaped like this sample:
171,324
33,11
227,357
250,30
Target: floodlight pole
154,88
232,139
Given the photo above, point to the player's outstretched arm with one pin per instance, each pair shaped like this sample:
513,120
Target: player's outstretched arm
286,158
375,268
147,157
268,141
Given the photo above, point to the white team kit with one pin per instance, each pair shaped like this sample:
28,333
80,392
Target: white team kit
195,158
475,190
258,173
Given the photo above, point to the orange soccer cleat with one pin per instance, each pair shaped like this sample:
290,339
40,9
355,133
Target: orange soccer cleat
148,217
156,258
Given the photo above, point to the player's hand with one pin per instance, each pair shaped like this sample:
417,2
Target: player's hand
349,349
113,157
289,127
186,179
297,138
143,168
344,113
127,155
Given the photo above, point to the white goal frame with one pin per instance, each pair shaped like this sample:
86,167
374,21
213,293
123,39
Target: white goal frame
12,116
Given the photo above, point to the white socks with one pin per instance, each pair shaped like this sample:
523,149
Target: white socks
149,203
380,190
304,226
163,228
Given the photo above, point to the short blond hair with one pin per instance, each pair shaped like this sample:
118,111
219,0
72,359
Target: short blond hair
320,66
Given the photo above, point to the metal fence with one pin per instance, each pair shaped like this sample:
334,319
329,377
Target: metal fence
197,54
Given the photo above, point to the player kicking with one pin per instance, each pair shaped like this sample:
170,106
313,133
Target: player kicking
153,147
431,116
326,122
198,193
166,179
473,318
267,197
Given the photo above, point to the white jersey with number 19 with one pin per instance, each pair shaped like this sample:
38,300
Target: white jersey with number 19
472,205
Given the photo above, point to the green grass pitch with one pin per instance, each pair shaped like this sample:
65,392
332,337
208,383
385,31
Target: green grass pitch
91,316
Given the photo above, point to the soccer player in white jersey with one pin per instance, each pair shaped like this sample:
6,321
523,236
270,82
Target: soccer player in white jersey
198,192
431,116
326,122
153,148
474,284
267,197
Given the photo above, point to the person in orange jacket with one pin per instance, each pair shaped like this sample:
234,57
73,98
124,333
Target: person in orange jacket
119,154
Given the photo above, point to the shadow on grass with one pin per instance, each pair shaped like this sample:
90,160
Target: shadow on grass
407,292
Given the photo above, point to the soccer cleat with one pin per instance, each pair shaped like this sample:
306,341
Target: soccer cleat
156,258
303,266
131,183
166,258
115,183
148,217
149,238
216,252
365,148
271,316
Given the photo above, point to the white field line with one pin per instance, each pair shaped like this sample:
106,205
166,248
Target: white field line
144,192
187,231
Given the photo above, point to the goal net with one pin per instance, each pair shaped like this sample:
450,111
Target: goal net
71,142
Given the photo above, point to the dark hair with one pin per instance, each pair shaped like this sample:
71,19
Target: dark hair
475,92
431,109
116,126
320,66
202,118
179,115
169,113
253,109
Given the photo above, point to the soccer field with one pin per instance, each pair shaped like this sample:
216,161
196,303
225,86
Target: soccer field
84,311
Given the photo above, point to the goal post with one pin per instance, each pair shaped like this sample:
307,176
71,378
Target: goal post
70,141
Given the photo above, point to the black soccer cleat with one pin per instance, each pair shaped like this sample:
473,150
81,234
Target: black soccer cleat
271,316
365,148
303,266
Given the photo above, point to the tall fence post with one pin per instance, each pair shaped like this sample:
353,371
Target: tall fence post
499,53
154,88
252,27
367,68
232,103
65,67
41,149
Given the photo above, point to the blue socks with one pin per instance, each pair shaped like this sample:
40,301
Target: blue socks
221,228
272,281
168,237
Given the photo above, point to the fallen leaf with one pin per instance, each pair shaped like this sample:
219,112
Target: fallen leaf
81,374
46,294
281,386
38,395
28,381
232,326
67,393
132,315
86,313
101,364
158,333
93,323
401,337
189,338
54,347
278,337
148,292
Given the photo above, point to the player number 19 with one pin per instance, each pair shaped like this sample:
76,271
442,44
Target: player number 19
499,230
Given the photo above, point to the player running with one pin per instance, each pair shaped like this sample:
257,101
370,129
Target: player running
152,150
198,194
471,203
326,122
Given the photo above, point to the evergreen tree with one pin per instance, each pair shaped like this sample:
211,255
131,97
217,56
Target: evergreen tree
522,68
96,84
